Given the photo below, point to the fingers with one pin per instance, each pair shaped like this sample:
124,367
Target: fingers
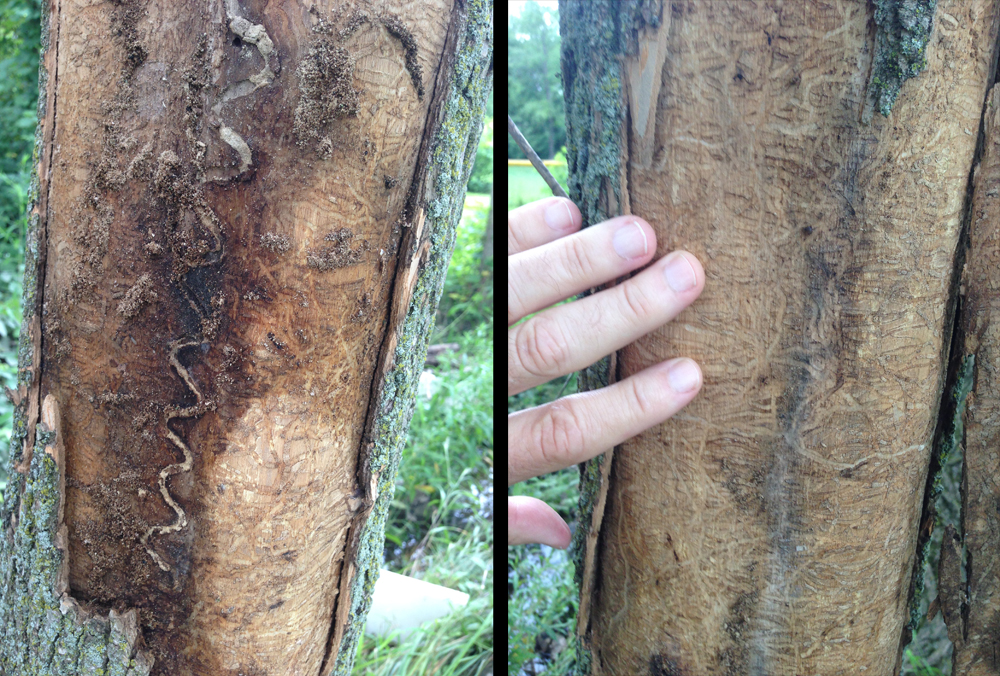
531,520
549,273
571,336
541,222
578,427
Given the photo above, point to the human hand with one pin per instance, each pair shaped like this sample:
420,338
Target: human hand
548,261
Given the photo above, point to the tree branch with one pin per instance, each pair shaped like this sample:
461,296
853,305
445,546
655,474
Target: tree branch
536,162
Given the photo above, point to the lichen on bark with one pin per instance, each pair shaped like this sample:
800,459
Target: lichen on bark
43,631
596,36
903,28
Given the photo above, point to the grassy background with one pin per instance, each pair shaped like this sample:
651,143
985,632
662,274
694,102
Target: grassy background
440,528
541,595
525,185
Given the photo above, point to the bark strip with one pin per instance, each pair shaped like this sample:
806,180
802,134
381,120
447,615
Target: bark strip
977,627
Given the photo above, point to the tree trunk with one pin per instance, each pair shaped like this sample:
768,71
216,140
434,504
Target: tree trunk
771,527
242,218
976,626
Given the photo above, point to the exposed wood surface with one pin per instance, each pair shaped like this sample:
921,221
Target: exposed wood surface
225,202
771,526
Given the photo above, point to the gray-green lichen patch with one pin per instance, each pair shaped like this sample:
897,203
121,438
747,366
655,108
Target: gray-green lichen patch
596,36
592,45
903,28
43,631
452,156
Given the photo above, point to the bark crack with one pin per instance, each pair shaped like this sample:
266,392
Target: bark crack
403,280
34,396
949,438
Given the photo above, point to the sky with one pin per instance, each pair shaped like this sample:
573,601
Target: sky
514,7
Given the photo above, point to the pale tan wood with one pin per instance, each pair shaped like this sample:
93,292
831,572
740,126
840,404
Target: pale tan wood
770,527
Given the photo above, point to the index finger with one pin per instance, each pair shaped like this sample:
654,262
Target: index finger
576,428
541,222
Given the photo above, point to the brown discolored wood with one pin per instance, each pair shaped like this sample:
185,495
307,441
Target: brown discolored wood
771,526
222,242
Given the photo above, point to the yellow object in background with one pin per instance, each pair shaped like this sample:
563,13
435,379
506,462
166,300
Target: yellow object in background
527,163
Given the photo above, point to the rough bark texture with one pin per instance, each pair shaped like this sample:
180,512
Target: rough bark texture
241,224
979,621
771,526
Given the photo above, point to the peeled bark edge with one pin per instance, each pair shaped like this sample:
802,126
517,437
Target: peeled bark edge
465,84
596,38
903,31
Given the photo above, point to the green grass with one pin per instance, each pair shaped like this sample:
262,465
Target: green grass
525,185
918,666
467,298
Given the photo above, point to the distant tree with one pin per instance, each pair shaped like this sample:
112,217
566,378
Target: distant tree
534,85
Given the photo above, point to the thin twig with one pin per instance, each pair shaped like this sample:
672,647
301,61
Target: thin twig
565,383
536,162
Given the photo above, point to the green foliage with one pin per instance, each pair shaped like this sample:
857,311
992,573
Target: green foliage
914,665
446,469
467,298
18,25
20,30
525,186
10,324
541,602
534,85
482,172
18,99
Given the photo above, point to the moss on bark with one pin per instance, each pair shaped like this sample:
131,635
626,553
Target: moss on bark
595,37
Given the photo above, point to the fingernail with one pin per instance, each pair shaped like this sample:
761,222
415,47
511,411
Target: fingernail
680,274
683,376
630,241
558,216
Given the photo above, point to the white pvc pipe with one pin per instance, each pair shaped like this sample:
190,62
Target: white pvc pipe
404,603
